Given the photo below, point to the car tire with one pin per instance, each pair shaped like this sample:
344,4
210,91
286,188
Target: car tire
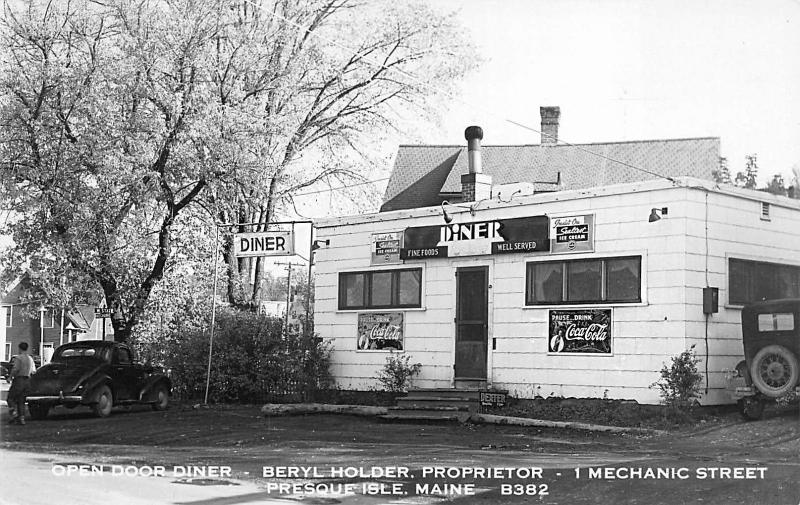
751,409
38,412
105,401
161,395
774,371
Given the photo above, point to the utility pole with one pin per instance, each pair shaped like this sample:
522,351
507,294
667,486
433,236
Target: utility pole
288,293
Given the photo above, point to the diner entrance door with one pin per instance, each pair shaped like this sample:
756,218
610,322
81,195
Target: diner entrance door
472,323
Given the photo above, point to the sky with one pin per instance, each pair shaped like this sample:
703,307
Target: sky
634,70
625,70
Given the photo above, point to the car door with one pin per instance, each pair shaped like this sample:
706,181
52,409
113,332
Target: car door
124,375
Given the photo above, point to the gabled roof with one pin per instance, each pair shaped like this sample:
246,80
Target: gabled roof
425,175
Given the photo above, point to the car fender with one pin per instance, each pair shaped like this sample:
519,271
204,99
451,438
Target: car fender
744,372
150,384
92,387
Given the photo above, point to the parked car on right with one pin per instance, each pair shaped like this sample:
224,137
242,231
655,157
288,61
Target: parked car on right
771,368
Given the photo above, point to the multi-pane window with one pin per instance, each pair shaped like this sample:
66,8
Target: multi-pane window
48,318
752,281
604,280
9,317
380,289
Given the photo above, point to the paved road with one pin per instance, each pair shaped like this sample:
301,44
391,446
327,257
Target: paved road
340,459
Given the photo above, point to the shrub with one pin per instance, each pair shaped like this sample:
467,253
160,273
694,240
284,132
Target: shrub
679,384
252,360
398,372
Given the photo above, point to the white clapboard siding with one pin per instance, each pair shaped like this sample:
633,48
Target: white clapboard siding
685,251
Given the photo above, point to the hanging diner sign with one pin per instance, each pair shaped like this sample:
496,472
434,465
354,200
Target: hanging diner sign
501,236
386,248
571,234
263,243
380,331
580,331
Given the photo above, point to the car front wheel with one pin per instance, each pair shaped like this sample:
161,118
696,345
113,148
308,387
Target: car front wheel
161,395
774,371
105,401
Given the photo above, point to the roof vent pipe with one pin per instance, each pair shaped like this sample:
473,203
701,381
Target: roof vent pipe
475,186
474,135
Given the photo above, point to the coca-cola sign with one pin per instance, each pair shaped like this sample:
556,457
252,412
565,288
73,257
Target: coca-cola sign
380,331
580,331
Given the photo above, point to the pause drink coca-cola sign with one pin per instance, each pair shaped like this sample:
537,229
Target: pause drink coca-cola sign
580,331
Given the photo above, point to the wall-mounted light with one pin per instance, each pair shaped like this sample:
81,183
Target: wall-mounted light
318,243
447,217
654,214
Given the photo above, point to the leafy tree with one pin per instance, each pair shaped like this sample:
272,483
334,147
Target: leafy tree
127,126
722,174
748,178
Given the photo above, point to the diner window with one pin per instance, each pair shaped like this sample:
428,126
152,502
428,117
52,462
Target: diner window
753,281
380,289
603,280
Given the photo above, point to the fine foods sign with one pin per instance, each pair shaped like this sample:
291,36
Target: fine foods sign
580,331
380,331
502,236
572,233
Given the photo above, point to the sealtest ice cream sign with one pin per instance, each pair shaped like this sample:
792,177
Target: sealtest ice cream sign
572,234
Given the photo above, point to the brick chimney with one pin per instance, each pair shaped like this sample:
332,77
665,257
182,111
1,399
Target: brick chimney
475,186
550,117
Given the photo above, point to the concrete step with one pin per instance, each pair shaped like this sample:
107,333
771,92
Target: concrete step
445,393
426,416
430,408
444,399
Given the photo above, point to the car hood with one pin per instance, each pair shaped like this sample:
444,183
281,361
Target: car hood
57,377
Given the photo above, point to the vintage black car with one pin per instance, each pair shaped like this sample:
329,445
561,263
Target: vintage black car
98,374
771,368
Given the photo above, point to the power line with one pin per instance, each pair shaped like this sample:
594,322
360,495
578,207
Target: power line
455,98
341,187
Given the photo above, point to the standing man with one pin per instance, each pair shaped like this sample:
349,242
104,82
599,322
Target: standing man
20,385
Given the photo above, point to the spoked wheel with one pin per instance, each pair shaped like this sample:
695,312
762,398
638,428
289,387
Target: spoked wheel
774,371
105,401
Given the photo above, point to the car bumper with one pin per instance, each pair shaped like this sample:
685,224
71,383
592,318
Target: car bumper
54,398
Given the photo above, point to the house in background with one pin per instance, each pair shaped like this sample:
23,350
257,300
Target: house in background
44,328
553,270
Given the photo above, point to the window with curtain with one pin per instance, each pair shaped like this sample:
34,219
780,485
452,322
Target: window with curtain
380,289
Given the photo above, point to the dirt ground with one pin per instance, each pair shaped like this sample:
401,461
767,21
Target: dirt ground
242,438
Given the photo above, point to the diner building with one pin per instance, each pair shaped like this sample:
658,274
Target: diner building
553,270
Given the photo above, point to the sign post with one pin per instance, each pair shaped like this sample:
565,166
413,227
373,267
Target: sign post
103,313
249,244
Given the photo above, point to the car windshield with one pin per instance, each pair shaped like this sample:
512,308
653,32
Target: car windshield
77,352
